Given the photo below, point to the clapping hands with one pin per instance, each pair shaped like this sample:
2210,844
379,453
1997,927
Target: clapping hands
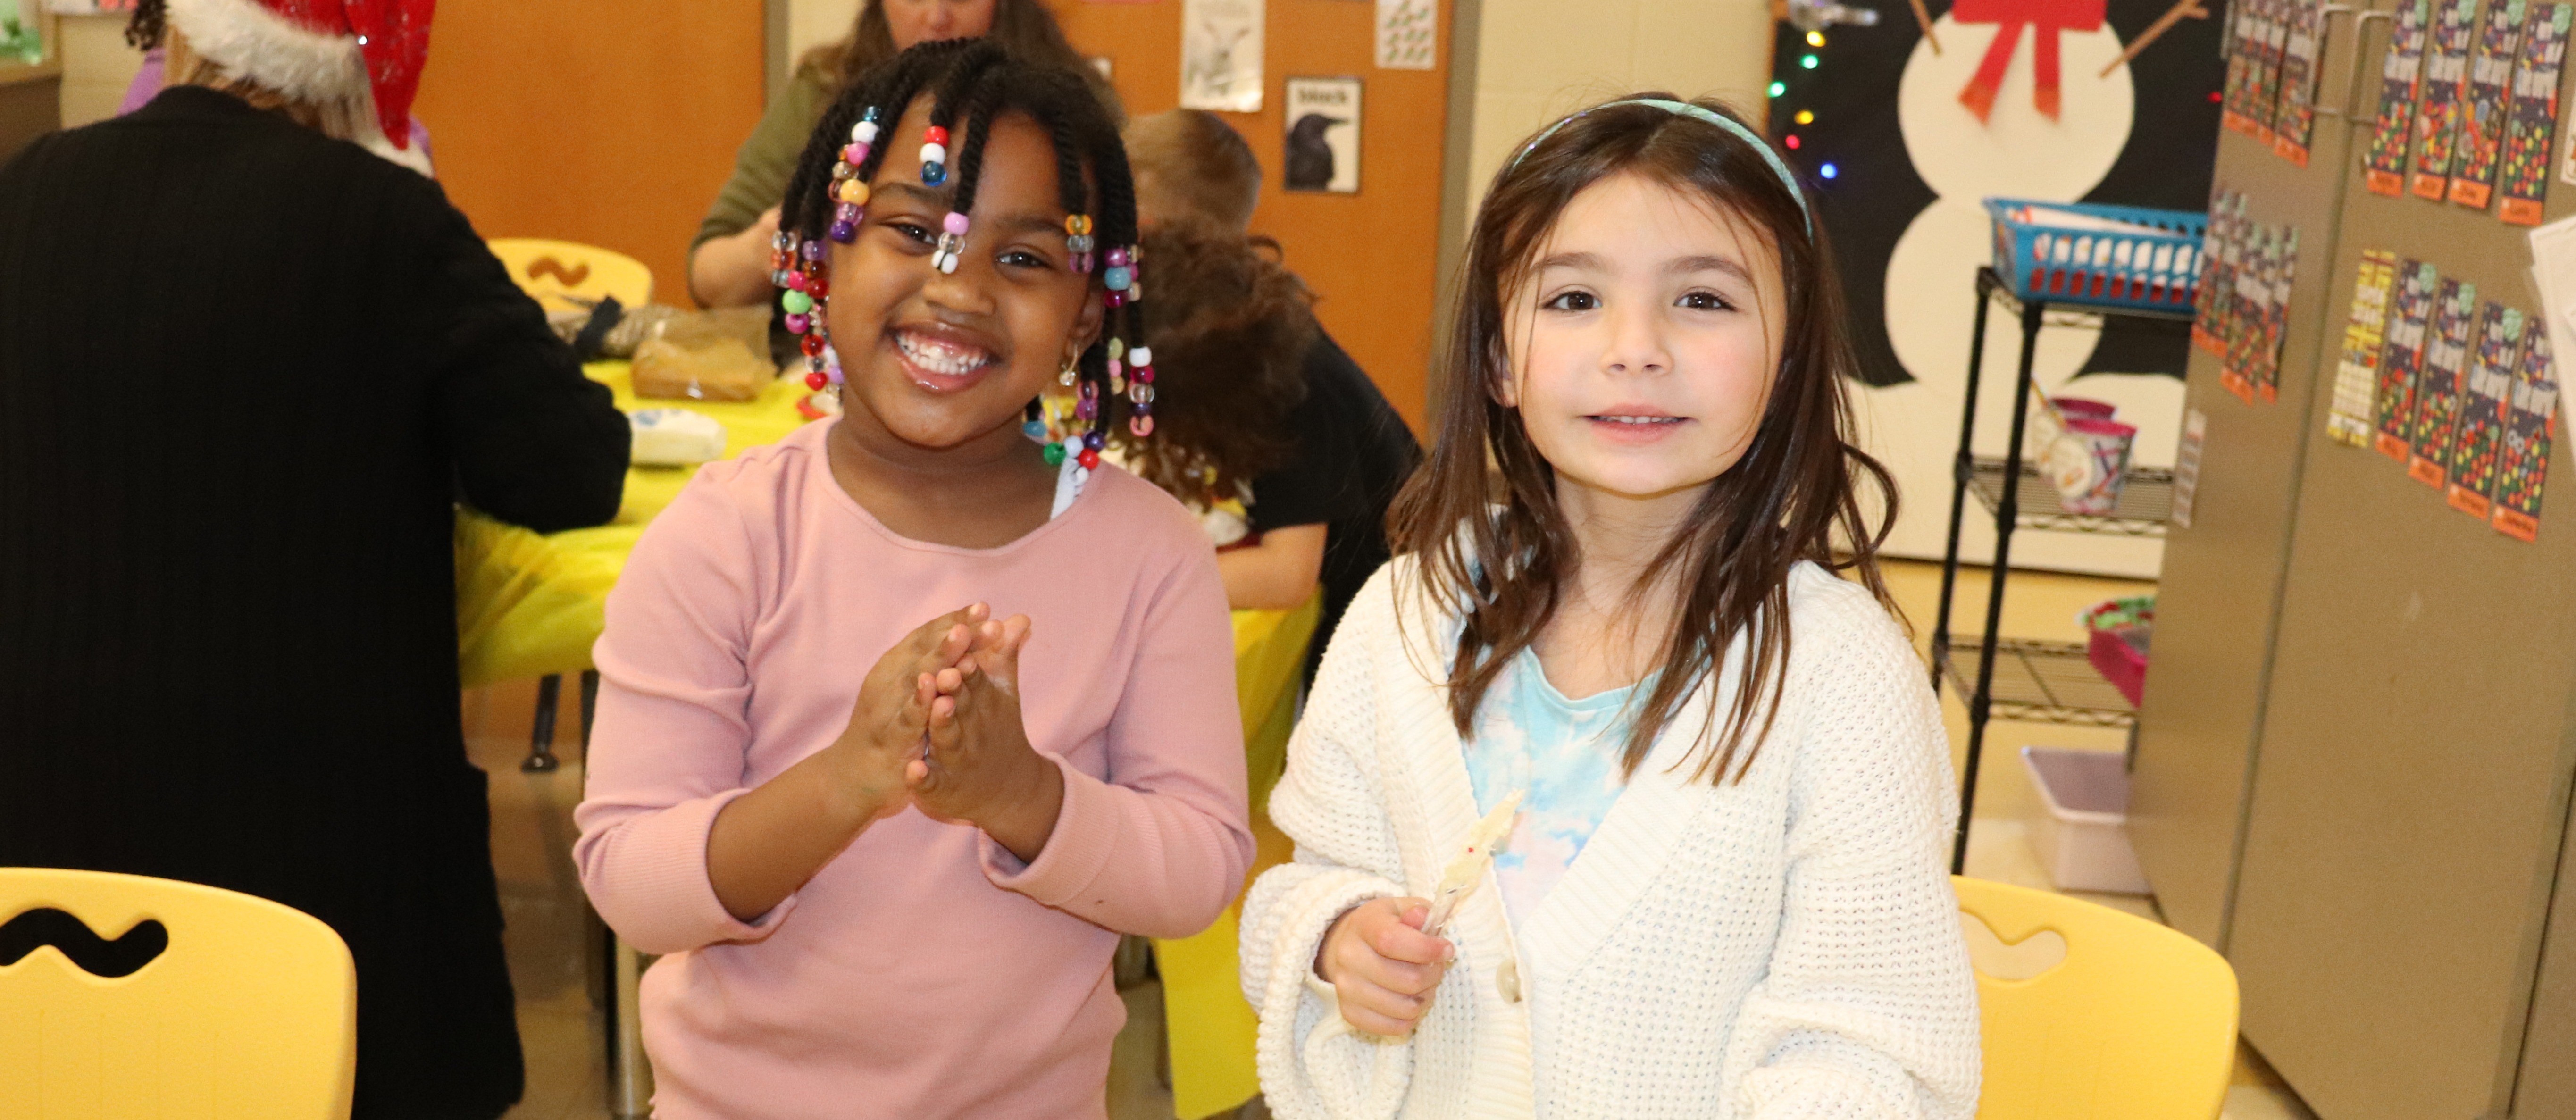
978,766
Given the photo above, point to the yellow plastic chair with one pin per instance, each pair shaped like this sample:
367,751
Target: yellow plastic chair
551,270
2138,1022
251,1013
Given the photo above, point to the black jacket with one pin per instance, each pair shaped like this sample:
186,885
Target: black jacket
245,373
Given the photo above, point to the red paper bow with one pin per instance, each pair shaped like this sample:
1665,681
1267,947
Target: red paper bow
2046,18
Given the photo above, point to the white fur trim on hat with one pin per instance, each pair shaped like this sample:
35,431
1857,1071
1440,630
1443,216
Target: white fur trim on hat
250,41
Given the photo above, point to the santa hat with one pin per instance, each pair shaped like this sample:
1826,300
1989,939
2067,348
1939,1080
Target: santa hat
364,55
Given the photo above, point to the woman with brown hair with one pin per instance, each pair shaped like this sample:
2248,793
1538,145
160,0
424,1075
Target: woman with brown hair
729,260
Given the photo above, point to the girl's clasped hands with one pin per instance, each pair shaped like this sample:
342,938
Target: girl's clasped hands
937,726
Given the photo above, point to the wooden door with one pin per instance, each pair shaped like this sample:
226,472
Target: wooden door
609,123
1370,256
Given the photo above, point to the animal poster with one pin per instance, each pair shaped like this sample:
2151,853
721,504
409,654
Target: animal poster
2523,460
1323,145
1408,34
2456,322
2482,113
2410,313
2437,120
2480,427
1221,55
2295,121
2364,335
2531,122
2401,77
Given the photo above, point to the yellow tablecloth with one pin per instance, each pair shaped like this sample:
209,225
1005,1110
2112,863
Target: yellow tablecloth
529,605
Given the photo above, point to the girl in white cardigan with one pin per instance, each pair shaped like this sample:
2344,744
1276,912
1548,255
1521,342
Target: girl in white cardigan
1722,891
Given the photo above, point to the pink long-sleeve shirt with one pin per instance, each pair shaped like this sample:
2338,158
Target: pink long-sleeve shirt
924,971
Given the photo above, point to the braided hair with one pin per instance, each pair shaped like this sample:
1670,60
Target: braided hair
971,82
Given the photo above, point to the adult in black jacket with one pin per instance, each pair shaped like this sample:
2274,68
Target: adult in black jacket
246,373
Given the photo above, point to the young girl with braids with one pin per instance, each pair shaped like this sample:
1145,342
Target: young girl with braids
1717,773
903,720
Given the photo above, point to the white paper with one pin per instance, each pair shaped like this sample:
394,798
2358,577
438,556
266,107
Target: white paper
1221,55
1408,33
2186,475
2553,273
1323,142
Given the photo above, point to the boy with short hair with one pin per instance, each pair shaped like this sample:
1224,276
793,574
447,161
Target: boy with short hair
1322,517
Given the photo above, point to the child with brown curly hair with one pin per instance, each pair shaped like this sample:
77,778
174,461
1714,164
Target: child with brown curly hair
1254,397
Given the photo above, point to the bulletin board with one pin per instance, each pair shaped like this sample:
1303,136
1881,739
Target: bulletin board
1369,254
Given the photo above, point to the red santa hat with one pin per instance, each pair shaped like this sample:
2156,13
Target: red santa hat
327,52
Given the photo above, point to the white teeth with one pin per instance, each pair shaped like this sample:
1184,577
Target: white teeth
941,357
1641,419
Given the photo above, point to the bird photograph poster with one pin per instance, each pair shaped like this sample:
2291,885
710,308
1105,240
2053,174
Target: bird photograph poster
1323,145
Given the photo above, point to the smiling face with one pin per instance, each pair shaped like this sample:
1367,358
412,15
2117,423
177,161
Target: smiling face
1644,339
940,360
929,21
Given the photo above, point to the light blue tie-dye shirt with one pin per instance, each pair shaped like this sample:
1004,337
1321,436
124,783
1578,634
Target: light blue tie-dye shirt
1563,755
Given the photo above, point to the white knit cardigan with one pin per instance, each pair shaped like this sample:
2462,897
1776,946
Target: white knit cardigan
1783,947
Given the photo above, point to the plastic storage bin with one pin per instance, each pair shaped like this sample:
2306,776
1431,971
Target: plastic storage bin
2108,256
2119,632
2082,835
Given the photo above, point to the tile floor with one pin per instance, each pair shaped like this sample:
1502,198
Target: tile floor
551,936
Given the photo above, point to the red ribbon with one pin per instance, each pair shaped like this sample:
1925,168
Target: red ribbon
2046,18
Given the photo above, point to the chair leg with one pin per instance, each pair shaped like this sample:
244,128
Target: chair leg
589,705
541,739
630,1085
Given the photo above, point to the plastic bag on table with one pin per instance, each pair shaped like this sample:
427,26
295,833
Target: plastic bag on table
720,355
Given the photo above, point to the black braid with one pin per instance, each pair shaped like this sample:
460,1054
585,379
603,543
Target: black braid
967,140
977,79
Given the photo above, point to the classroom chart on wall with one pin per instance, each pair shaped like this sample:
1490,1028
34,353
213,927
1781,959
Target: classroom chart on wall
1322,148
1408,34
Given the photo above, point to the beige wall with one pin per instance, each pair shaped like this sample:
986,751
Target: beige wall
97,66
1537,60
812,23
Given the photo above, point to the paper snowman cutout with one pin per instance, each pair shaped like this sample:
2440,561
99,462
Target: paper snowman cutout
2019,151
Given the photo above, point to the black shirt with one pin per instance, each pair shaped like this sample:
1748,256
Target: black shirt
1353,453
245,371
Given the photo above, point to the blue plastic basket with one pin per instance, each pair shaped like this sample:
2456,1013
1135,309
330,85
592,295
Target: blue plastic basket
2044,256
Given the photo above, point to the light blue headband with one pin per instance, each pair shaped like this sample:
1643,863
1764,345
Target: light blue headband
1780,168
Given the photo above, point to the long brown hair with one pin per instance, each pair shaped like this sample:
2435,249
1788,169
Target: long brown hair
1793,497
1024,28
1231,329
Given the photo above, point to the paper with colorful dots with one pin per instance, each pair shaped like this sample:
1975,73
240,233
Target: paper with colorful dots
2401,77
2482,111
2523,456
2531,121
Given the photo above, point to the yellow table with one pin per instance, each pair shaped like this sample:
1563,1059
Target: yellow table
529,605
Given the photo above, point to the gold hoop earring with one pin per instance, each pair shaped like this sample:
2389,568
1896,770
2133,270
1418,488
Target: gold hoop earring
1071,371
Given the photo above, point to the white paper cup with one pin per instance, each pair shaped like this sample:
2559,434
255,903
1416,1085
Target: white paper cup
2106,444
